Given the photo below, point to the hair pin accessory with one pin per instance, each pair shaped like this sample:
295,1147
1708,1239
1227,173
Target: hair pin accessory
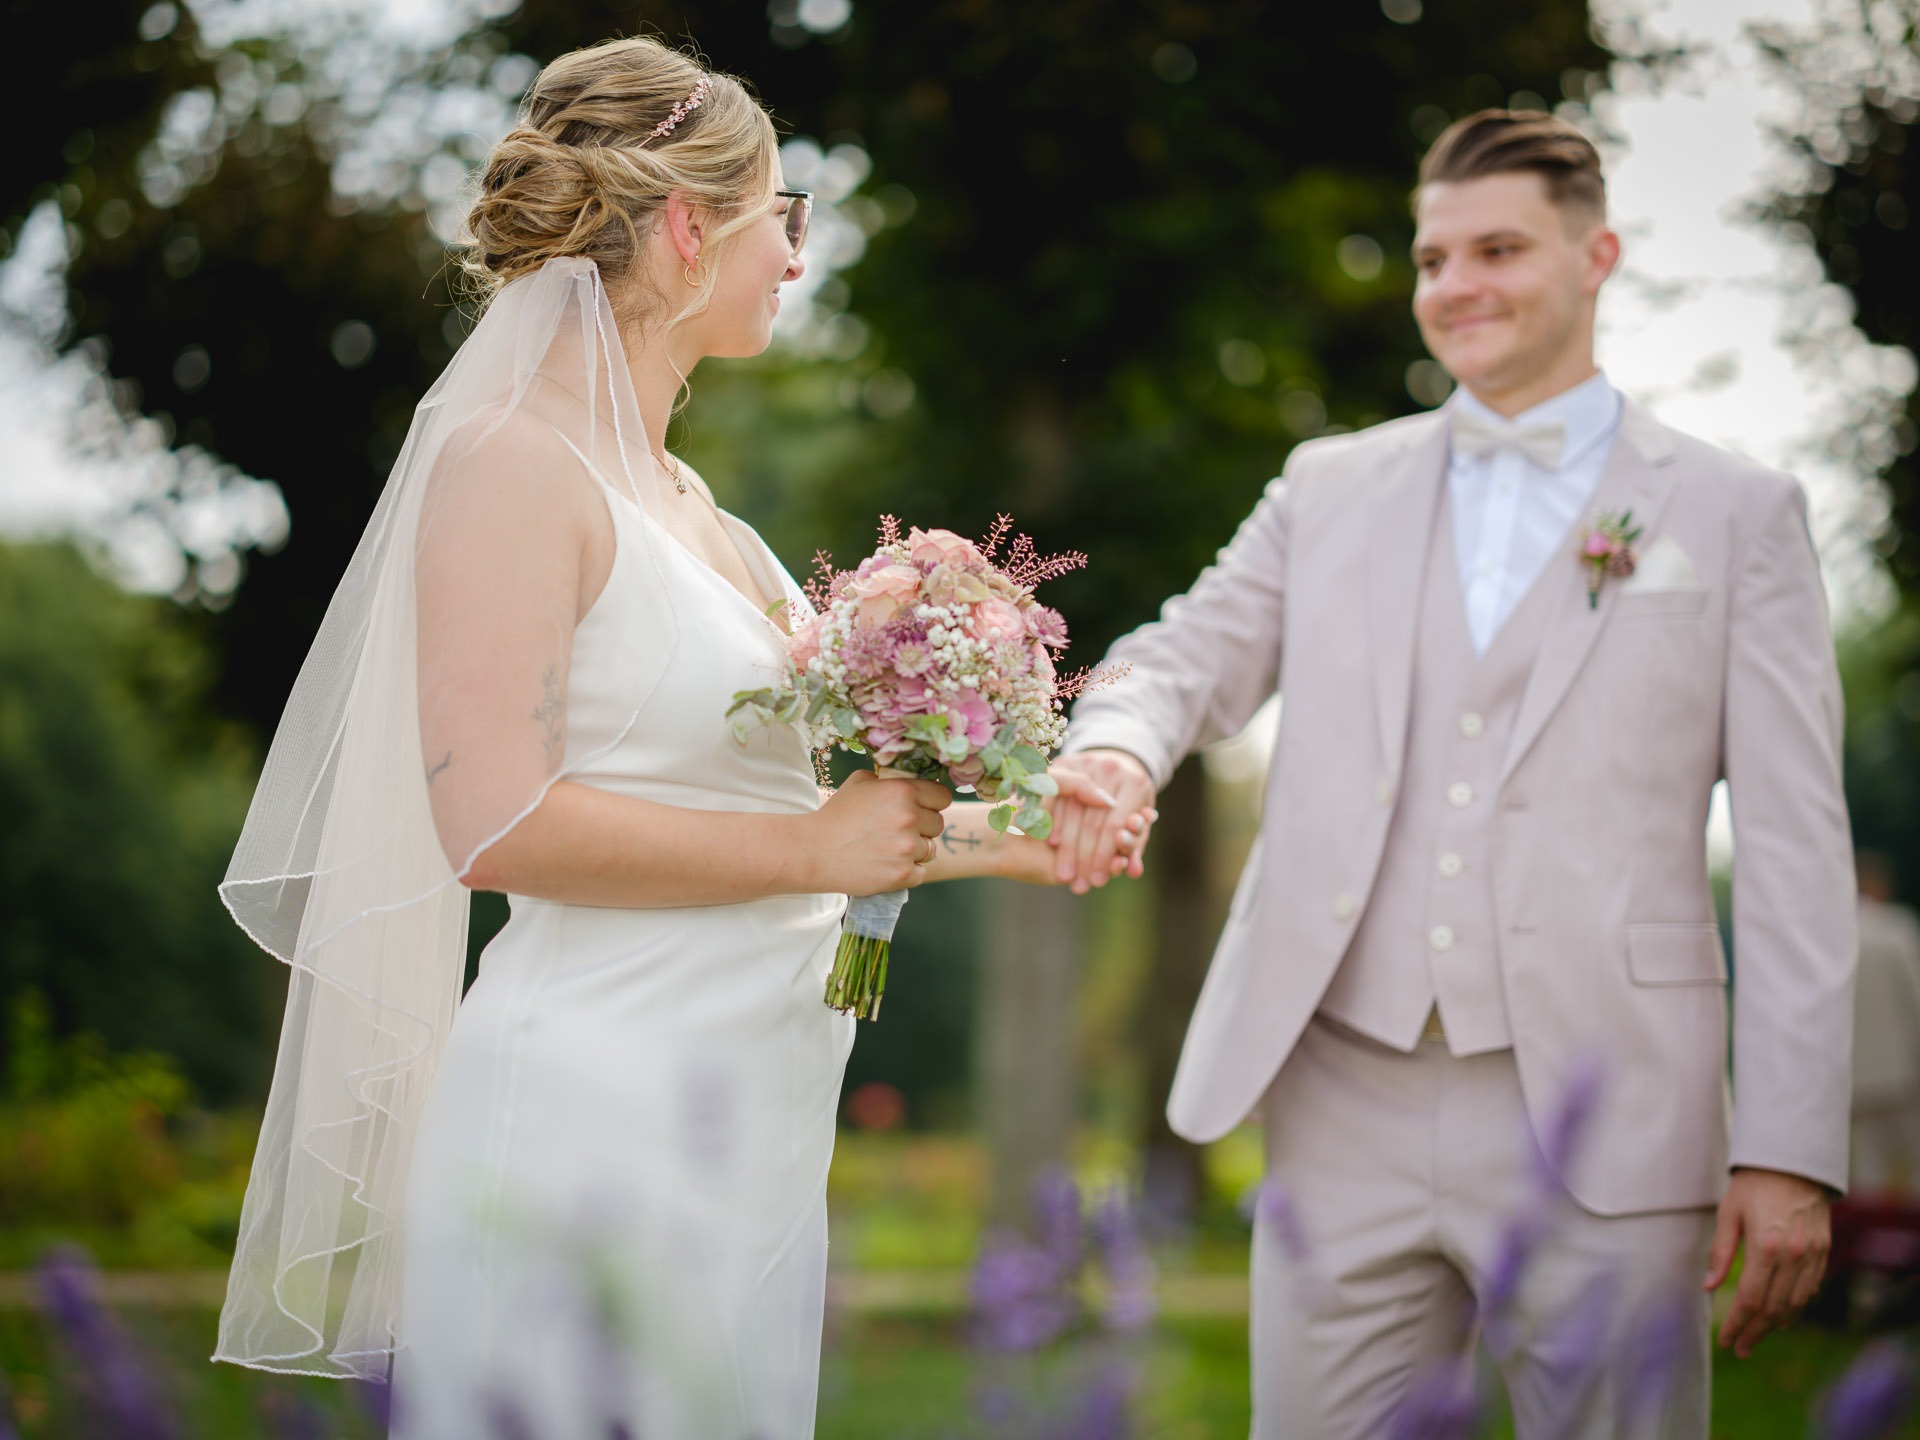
685,108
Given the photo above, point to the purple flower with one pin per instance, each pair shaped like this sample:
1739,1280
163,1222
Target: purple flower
1129,1302
122,1393
1870,1401
1274,1208
1567,1126
1056,1214
294,1417
1020,1298
1442,1403
506,1420
1519,1238
1653,1351
1101,1410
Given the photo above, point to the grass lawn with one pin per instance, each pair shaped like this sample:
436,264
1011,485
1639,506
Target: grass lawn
884,1378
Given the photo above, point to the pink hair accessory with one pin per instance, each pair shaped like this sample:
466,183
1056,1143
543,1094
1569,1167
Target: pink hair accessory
685,108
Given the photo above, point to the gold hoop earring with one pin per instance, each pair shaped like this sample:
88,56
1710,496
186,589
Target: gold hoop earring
693,273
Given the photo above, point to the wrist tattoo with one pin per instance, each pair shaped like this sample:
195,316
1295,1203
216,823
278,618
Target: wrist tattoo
434,771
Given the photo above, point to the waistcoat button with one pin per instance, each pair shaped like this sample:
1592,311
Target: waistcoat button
1459,794
1472,726
1440,937
1451,865
1343,906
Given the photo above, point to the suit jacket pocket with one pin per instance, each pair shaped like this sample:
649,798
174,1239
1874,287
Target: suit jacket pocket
1676,954
1679,603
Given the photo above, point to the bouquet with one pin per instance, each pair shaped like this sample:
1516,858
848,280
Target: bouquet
934,658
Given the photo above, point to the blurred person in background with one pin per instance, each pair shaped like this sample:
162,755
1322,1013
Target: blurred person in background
589,1198
1886,1038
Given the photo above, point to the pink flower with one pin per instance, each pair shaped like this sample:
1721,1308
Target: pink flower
805,643
940,547
1043,662
1046,625
970,771
969,714
950,585
1599,546
997,620
912,657
884,591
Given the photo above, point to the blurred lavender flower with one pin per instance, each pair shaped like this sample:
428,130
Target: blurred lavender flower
122,1394
1442,1403
1519,1238
1101,1412
291,1417
1871,1401
1654,1350
506,1420
1056,1214
1275,1209
1129,1302
1567,1126
376,1402
1021,1300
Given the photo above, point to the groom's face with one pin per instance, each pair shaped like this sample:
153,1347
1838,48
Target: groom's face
1507,281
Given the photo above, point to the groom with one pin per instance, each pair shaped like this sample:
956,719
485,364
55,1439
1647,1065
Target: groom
1471,981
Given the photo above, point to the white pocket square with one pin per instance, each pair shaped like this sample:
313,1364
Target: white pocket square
1664,567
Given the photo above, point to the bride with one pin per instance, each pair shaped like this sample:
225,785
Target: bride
594,1201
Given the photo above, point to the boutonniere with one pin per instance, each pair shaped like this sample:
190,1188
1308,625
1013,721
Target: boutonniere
1607,550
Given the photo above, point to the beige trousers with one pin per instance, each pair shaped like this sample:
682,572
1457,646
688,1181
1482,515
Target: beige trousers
1383,1250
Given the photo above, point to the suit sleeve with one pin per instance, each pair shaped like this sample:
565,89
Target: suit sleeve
1794,922
1198,673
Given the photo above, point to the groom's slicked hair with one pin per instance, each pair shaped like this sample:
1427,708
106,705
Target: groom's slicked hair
1499,142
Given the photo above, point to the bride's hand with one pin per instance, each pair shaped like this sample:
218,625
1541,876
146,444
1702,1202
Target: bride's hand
1034,861
876,835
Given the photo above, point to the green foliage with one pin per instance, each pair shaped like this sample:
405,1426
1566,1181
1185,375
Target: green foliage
105,1149
1880,671
122,802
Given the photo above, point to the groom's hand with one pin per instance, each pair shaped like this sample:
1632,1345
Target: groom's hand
1092,846
1785,1223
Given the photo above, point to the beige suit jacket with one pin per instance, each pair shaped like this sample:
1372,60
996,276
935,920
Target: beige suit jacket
1716,662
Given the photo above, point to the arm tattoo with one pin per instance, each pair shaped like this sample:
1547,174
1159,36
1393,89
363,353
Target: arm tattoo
434,771
950,842
552,713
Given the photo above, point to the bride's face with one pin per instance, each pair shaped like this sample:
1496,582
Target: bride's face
755,262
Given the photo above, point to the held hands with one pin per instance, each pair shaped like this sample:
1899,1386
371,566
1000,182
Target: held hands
1033,861
1094,843
1785,1223
876,835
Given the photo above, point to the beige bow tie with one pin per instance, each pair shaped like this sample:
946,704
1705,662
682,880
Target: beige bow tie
1477,436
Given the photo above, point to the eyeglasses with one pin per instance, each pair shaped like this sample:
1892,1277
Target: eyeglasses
799,211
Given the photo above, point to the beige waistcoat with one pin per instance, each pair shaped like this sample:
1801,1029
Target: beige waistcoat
1429,937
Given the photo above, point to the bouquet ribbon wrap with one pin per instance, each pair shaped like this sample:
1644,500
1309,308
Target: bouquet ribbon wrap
858,980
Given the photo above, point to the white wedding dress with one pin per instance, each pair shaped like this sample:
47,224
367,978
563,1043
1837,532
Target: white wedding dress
616,1213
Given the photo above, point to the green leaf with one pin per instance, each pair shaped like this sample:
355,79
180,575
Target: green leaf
1000,817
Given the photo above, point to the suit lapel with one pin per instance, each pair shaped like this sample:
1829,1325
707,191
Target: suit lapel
1637,479
1398,541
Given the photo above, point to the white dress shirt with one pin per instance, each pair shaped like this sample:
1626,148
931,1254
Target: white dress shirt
1511,517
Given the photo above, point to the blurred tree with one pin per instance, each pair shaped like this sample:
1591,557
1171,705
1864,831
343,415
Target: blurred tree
121,800
1855,197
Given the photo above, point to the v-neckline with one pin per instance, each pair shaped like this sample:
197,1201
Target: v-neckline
727,521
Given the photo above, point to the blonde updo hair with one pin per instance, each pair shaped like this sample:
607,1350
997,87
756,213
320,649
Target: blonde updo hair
579,176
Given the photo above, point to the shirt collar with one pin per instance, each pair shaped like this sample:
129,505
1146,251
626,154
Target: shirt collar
1590,411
